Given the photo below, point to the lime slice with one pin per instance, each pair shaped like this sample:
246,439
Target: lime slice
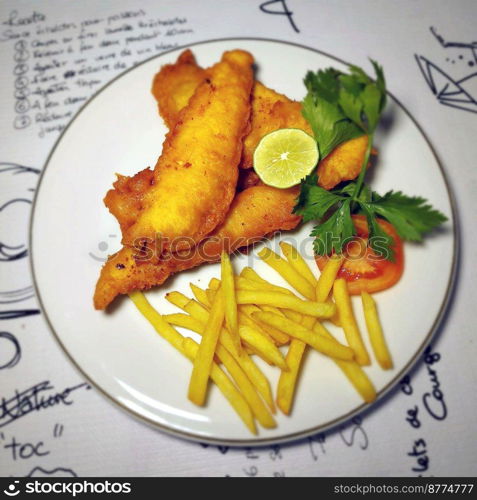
284,157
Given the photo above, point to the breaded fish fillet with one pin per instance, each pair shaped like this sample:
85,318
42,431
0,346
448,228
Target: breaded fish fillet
196,175
175,84
270,111
254,213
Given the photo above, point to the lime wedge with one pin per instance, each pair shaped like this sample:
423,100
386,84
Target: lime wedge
284,157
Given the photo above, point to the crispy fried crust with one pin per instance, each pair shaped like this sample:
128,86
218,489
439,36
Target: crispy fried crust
174,85
343,163
196,175
270,111
125,200
247,178
255,213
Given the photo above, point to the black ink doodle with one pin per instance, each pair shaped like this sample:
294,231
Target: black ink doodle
18,186
356,430
450,90
57,472
319,440
58,430
269,8
433,400
23,451
419,452
18,313
14,358
40,396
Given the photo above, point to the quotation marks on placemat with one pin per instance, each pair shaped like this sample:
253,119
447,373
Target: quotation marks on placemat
58,430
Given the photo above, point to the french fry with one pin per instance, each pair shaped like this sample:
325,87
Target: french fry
253,351
335,319
330,348
298,262
189,348
348,321
284,301
375,331
261,284
308,322
293,315
278,336
205,355
162,327
327,277
258,379
264,346
200,295
358,378
251,275
190,306
228,389
238,371
248,309
325,284
214,284
228,289
272,309
248,390
245,320
198,311
178,299
242,283
288,379
210,294
288,273
355,374
199,317
271,333
185,321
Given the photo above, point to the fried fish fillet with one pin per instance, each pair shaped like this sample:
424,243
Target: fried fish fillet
270,111
175,84
194,179
254,213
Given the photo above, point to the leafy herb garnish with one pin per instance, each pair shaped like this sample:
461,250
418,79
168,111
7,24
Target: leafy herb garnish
340,107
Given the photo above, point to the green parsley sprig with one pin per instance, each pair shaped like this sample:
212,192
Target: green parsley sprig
340,107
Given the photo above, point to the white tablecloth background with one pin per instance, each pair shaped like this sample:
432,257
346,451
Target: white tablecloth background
93,437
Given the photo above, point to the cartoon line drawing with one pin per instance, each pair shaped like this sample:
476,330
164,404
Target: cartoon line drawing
17,351
18,187
458,90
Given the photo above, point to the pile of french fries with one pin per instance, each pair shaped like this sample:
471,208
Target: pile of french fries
240,317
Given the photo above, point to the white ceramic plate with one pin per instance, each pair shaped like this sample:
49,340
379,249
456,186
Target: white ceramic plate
119,130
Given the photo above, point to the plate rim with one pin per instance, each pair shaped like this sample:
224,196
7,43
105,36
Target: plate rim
287,438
